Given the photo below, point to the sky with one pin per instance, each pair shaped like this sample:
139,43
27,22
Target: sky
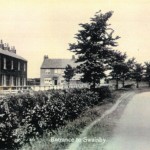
46,27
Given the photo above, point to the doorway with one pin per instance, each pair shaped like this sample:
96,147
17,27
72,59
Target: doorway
55,82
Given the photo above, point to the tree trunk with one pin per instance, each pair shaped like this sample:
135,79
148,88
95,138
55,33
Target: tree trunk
117,84
92,87
137,84
123,82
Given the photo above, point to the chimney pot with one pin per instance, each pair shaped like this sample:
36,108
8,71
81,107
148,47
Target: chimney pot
73,57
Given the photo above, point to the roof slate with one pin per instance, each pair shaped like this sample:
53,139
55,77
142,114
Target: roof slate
11,54
57,63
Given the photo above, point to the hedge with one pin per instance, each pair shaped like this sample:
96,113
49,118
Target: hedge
29,115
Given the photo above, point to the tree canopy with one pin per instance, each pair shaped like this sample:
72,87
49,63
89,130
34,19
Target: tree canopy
69,73
94,48
147,72
138,73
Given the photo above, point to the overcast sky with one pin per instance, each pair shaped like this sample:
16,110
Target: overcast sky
45,27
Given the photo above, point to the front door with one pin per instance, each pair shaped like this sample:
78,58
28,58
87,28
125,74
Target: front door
55,82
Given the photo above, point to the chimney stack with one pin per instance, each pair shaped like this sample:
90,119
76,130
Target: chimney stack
45,57
1,45
6,46
13,49
73,57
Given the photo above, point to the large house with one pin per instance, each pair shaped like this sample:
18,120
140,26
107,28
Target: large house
13,68
52,71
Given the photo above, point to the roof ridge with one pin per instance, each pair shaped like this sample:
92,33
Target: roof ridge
11,54
60,58
57,63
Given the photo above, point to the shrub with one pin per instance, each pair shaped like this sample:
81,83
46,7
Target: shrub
25,116
104,92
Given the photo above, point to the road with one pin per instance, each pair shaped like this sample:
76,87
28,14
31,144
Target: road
93,131
133,129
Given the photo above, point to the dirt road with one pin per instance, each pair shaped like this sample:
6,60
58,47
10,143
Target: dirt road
133,130
94,131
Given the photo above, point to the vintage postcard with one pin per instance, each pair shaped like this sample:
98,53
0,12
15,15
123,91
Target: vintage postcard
74,75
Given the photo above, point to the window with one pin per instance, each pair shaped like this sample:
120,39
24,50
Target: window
4,62
18,65
12,65
55,70
48,81
18,81
12,80
4,80
59,71
24,67
47,71
24,81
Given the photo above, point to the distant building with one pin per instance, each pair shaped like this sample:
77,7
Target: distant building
33,81
52,71
13,68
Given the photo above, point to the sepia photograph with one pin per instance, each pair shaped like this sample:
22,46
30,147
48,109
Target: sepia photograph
74,75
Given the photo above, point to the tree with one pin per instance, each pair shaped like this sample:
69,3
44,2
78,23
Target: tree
131,65
94,45
69,73
138,73
119,67
147,72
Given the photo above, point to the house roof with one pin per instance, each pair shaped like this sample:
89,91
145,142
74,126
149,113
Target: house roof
57,63
11,54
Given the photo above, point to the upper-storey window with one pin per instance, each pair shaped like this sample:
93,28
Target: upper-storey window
24,67
59,71
4,63
18,65
12,65
47,71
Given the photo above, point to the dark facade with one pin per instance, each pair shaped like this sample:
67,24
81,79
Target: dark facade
13,68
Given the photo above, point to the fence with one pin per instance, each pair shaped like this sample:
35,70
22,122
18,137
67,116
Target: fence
19,89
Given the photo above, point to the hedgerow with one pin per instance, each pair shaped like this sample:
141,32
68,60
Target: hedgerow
29,115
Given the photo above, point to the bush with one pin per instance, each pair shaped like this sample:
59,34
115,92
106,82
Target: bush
25,116
104,92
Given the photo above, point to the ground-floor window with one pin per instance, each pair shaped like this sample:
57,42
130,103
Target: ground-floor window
24,80
47,81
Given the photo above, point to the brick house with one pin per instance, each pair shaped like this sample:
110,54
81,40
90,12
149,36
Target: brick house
13,68
52,71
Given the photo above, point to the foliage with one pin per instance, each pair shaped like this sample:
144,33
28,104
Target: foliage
119,67
94,48
138,73
147,72
27,116
122,68
69,73
131,65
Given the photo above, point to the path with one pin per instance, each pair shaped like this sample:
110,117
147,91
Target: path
77,144
133,130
